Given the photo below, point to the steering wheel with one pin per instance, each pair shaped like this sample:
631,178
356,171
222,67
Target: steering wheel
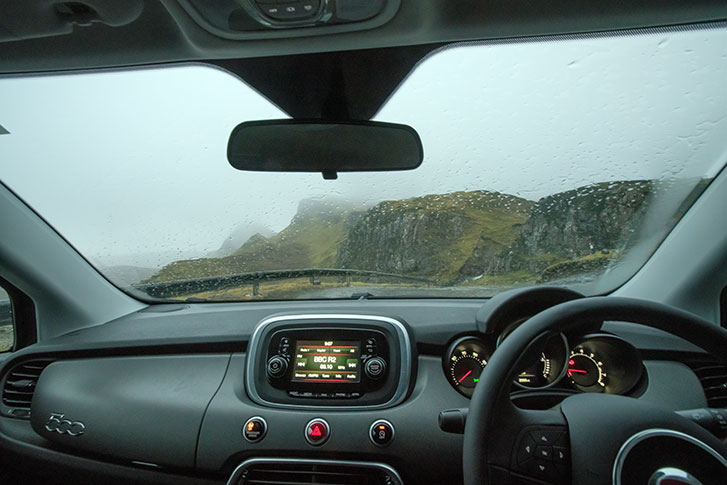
591,438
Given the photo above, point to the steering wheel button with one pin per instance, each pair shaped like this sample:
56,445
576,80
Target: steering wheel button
526,449
546,436
544,452
542,470
560,454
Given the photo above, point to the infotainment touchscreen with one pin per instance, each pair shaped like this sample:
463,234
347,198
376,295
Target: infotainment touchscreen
331,361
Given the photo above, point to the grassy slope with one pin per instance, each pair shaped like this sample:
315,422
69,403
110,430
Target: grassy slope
312,243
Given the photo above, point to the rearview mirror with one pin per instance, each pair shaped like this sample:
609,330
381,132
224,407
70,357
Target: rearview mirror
326,147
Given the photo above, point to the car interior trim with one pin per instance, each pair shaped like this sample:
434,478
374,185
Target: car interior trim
237,473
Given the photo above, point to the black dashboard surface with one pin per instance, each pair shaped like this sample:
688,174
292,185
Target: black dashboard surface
181,367
433,323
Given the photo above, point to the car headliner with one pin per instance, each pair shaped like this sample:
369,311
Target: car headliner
308,72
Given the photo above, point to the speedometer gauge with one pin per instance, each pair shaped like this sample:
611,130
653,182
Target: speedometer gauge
465,369
464,362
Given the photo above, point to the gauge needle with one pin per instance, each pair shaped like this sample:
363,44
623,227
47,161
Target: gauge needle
463,377
570,371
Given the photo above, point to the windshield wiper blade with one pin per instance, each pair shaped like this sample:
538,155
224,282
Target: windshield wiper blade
167,289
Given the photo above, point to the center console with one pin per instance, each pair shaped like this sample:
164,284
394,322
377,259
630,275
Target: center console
350,361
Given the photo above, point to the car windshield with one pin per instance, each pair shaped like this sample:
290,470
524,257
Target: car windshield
560,161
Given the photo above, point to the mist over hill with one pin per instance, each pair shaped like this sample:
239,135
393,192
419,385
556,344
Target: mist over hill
238,237
310,240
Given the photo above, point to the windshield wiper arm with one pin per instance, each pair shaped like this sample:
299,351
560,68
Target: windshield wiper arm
167,289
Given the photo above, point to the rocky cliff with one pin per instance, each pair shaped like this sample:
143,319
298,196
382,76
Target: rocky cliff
593,220
454,238
432,235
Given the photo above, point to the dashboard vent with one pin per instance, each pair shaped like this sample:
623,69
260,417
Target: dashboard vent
713,376
19,386
303,472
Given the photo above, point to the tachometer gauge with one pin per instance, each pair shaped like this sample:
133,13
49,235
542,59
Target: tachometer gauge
585,371
465,369
463,363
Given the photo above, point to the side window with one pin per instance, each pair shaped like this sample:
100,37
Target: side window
7,331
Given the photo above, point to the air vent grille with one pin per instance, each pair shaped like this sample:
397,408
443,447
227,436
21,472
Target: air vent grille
19,386
713,376
303,472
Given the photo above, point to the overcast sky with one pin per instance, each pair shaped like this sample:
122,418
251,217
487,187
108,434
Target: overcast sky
131,167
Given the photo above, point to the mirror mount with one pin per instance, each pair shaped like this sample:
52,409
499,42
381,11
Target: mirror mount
329,175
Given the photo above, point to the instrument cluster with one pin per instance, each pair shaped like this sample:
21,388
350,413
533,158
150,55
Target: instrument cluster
599,362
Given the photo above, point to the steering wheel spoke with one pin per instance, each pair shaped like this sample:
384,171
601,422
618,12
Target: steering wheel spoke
540,449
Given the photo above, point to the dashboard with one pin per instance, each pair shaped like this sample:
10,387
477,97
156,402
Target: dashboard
240,393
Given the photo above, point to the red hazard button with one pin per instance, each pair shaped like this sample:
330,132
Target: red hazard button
317,431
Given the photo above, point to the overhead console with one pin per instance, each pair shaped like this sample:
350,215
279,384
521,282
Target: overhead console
239,19
329,360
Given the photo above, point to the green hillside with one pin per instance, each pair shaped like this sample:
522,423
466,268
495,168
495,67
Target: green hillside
311,240
459,238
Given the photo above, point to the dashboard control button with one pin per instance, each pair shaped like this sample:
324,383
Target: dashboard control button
375,368
317,431
371,346
381,432
284,345
526,449
254,429
277,367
